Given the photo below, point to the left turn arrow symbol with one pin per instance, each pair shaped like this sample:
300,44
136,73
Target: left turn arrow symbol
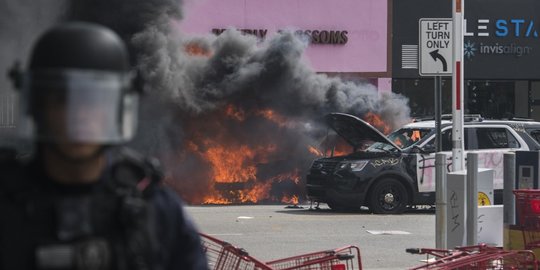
435,54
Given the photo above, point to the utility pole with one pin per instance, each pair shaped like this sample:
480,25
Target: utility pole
458,160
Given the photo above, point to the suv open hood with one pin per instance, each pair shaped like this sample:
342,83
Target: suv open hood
355,130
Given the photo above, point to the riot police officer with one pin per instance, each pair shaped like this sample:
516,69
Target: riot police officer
82,201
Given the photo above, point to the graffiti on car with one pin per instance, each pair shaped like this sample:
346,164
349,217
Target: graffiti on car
384,162
486,159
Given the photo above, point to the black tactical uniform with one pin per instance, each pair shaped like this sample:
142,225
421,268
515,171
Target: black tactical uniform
126,219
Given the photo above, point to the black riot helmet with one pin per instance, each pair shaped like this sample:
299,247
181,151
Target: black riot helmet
78,86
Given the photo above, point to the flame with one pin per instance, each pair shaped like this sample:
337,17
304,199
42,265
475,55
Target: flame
232,164
315,151
195,49
232,112
337,153
254,192
273,116
294,176
192,146
376,121
290,200
416,135
337,147
234,173
257,192
216,200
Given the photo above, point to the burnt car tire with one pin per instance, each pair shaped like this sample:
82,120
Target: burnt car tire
388,196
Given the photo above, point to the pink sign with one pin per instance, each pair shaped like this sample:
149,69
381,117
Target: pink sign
347,35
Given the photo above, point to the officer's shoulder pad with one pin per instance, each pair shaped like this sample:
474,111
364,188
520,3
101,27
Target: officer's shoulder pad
140,164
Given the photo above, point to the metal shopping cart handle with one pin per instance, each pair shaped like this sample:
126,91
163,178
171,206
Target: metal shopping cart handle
432,251
413,250
343,257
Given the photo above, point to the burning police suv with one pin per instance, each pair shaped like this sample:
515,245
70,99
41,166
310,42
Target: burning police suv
390,173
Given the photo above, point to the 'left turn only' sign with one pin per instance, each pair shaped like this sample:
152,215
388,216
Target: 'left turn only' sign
436,47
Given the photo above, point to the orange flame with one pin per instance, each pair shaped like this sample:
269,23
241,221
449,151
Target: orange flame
257,192
232,112
339,147
234,173
315,151
253,192
195,49
294,175
273,116
376,121
415,136
337,152
216,200
290,200
231,166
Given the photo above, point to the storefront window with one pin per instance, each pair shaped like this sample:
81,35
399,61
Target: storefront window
421,95
491,99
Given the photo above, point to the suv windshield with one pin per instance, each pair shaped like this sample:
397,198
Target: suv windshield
406,137
380,146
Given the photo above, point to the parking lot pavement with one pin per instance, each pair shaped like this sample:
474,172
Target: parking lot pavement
271,232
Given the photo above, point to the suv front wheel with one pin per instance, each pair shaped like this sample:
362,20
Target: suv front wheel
388,196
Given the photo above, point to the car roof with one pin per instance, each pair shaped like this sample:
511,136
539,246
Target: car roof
444,123
426,124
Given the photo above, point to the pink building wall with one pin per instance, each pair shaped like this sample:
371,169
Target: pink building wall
364,20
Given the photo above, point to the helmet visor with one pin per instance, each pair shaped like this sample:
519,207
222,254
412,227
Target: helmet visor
82,107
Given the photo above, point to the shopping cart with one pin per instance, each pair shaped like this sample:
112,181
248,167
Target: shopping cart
476,257
338,259
224,256
528,212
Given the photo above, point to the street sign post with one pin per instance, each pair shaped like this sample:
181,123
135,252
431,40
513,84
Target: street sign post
458,145
436,47
436,58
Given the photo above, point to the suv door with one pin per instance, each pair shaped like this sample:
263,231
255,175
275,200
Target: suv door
425,165
489,141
